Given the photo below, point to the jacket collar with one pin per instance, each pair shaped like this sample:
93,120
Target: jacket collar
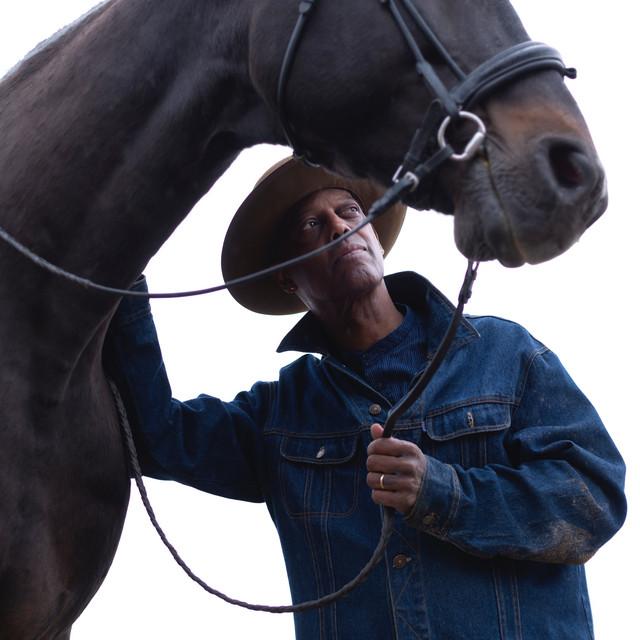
407,288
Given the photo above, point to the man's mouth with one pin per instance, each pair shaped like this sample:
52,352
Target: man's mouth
349,251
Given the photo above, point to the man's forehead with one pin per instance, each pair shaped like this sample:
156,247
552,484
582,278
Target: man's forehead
333,194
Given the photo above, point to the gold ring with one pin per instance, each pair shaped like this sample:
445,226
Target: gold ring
381,481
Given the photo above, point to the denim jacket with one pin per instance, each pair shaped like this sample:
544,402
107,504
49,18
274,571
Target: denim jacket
522,483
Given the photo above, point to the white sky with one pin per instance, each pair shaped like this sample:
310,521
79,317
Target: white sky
580,305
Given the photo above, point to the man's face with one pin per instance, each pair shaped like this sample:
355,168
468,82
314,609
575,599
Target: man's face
350,269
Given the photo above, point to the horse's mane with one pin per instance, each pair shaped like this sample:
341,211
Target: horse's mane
44,50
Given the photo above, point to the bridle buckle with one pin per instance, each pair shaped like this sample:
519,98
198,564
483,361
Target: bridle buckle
413,179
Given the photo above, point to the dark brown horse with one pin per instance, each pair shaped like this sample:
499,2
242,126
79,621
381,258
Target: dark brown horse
112,131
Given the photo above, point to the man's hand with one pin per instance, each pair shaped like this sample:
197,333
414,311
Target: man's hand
400,465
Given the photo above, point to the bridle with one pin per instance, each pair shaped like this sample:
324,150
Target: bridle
447,105
429,149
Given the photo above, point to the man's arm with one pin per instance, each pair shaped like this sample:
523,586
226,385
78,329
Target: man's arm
559,501
206,443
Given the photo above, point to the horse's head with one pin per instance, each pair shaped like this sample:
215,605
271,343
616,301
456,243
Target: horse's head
354,99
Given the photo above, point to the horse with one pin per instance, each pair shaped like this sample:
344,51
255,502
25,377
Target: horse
115,127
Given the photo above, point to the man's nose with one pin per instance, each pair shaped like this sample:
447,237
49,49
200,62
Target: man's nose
339,227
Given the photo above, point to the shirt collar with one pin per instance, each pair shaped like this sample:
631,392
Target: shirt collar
406,288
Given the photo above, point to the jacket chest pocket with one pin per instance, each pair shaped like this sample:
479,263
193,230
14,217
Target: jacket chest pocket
471,435
318,477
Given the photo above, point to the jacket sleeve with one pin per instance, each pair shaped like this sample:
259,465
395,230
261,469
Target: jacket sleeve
561,498
205,443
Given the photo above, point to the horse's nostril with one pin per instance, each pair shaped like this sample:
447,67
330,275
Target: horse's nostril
571,167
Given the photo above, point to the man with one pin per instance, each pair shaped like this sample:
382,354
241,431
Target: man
503,478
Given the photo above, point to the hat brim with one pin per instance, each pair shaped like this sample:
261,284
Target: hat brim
248,243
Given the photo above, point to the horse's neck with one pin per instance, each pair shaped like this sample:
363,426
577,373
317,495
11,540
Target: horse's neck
112,132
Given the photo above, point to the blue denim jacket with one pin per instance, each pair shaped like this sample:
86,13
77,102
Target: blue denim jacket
523,483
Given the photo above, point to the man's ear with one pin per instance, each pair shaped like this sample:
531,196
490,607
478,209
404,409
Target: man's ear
285,282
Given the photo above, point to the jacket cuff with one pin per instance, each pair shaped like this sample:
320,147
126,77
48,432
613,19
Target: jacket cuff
438,499
131,308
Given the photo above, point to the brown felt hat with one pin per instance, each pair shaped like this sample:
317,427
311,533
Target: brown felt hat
248,245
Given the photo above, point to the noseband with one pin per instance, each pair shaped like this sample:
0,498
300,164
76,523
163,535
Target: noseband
448,105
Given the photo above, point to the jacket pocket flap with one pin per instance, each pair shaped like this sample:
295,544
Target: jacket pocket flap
329,450
468,420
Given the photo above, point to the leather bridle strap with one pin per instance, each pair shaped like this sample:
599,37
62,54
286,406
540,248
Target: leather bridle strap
448,104
304,10
520,60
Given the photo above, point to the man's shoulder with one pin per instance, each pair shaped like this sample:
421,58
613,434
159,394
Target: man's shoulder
497,330
306,363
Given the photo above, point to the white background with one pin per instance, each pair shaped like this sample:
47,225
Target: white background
581,304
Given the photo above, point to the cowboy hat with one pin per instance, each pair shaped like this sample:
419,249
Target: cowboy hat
248,244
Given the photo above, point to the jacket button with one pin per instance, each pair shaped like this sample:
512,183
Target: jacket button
430,519
321,452
375,409
401,561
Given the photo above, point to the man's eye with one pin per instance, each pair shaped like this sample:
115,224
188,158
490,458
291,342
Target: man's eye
309,224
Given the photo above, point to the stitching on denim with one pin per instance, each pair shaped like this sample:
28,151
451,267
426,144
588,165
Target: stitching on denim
587,614
470,402
316,436
357,473
324,532
402,426
525,376
457,491
409,626
390,593
463,449
499,602
316,572
416,505
516,602
407,580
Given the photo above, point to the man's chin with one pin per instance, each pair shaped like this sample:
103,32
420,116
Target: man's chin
356,282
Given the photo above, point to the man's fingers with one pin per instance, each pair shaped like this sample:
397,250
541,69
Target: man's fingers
389,464
376,430
382,481
393,499
390,447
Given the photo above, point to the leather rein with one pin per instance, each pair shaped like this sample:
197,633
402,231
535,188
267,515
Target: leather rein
429,149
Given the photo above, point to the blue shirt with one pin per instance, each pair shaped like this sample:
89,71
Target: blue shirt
522,482
391,364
